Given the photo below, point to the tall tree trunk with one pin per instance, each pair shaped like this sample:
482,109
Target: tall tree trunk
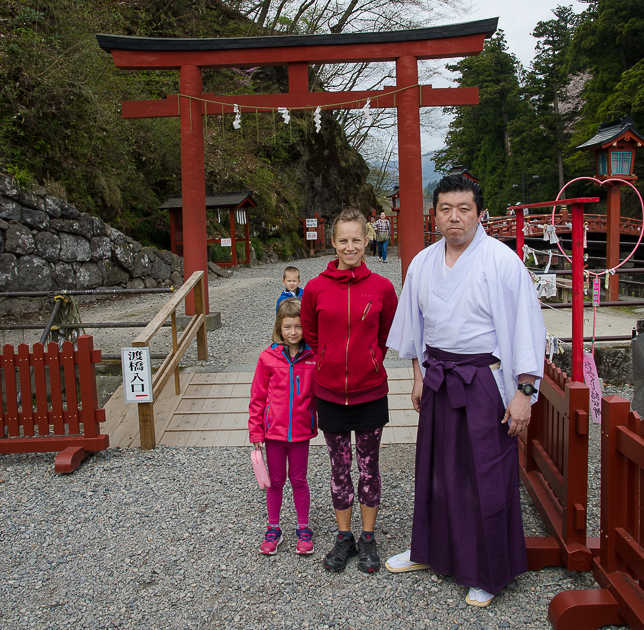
506,124
560,167
337,28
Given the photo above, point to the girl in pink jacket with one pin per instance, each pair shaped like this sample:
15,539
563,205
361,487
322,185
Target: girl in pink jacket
282,415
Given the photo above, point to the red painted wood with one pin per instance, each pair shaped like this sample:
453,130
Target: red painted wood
53,444
346,53
519,233
385,98
578,292
298,77
410,166
88,394
26,414
193,183
55,385
9,365
247,237
71,414
560,202
584,610
612,238
70,459
233,237
40,380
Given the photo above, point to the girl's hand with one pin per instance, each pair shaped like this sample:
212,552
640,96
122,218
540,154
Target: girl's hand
258,445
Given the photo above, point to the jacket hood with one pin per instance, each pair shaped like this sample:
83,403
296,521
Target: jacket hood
344,276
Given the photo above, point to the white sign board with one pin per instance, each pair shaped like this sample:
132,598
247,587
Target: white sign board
311,236
137,374
226,242
311,223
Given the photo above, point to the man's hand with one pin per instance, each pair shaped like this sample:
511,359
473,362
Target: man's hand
417,389
519,410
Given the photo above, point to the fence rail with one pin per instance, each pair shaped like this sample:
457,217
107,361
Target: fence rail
30,424
554,470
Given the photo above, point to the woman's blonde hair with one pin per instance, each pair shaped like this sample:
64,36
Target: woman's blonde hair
348,215
290,307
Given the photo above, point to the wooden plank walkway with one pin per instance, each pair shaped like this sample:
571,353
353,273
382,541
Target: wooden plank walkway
212,410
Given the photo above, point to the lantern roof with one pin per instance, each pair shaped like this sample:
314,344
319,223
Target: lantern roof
218,200
610,132
459,169
395,193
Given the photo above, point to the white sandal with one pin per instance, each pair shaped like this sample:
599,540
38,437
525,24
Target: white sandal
401,563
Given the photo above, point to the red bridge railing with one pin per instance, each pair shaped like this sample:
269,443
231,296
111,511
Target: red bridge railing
619,569
32,424
554,469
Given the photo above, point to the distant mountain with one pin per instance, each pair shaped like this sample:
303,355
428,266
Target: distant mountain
429,172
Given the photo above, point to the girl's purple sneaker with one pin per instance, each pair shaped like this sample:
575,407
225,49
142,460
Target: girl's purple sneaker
272,540
304,541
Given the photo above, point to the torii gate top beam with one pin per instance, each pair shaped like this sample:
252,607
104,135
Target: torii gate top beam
438,42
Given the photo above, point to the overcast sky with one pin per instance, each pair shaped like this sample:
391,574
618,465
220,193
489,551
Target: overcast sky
518,19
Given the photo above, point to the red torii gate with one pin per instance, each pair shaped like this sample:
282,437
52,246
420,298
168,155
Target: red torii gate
190,56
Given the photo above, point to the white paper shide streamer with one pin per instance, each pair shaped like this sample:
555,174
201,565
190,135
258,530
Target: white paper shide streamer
241,217
317,119
366,110
237,121
285,114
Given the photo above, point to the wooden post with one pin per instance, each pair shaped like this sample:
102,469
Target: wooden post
247,235
233,238
202,337
612,238
578,292
146,426
177,381
519,232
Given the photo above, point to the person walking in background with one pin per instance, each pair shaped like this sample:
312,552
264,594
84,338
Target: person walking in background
346,315
282,416
371,235
383,233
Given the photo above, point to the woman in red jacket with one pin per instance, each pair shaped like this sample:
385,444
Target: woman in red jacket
346,315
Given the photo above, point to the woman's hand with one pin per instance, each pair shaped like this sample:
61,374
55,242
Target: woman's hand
258,445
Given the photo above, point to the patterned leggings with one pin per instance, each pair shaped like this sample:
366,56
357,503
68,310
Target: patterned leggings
368,456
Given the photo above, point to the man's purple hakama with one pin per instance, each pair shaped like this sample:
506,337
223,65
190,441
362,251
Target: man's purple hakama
467,510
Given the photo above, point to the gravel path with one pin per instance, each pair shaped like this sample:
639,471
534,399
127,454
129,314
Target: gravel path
169,538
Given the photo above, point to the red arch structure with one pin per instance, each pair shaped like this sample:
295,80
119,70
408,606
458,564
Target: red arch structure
190,56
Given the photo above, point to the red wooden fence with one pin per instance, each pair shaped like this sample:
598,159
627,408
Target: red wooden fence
554,470
619,569
36,426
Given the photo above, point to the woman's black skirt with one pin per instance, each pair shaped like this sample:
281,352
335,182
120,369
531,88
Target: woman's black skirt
335,418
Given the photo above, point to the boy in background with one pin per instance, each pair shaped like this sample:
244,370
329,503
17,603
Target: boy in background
291,282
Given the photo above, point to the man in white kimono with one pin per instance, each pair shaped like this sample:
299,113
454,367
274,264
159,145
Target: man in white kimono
470,321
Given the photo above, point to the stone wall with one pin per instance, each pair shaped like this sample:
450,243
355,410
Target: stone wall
47,244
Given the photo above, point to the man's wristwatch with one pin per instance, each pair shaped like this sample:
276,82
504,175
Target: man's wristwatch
526,388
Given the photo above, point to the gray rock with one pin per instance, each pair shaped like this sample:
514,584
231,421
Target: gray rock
219,271
9,273
118,238
8,187
167,256
160,271
150,283
88,276
34,274
98,226
67,211
136,283
18,239
52,207
74,248
9,209
125,255
1,244
142,264
177,264
63,276
39,190
71,226
3,224
37,219
101,248
47,246
29,200
112,273
87,225
176,279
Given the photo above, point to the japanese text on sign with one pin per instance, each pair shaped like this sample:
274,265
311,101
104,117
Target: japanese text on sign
591,379
596,291
311,223
137,374
226,242
311,236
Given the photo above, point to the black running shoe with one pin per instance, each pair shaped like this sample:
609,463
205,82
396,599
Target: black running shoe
368,560
336,559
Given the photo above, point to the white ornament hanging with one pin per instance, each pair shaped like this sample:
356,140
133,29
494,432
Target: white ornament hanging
237,121
285,114
241,217
317,119
366,110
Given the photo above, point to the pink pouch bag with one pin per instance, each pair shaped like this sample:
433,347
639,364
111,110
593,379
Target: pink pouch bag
257,457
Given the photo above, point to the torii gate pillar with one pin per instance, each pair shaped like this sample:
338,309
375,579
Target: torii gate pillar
193,181
411,240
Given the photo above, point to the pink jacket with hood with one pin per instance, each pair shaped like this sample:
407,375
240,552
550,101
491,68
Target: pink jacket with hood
282,400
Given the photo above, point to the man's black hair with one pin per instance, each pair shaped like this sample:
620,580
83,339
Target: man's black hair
459,183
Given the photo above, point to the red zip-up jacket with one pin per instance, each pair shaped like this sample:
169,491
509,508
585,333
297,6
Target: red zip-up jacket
346,316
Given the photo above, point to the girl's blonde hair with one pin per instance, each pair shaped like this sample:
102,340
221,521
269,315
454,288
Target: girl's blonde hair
290,307
348,215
